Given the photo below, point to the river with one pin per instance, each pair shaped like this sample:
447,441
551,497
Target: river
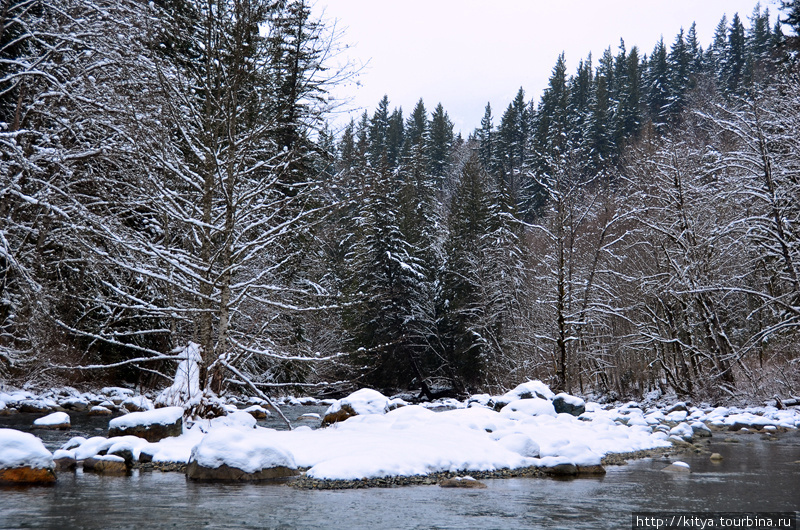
757,474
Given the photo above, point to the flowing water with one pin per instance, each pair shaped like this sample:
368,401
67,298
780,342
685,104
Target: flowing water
756,474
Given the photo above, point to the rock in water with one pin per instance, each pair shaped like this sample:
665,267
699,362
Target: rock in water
230,454
715,457
226,473
24,459
152,425
677,467
566,404
360,402
106,465
56,420
462,482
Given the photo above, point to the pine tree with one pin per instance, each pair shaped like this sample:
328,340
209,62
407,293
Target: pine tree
658,83
479,280
395,138
440,143
679,69
512,145
485,136
580,89
735,60
378,135
385,287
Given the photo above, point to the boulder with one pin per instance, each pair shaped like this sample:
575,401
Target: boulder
226,473
56,420
591,470
137,404
528,407
257,411
36,406
566,404
65,460
462,482
528,390
561,470
152,425
75,403
99,410
24,459
715,457
677,467
360,402
27,475
679,406
234,454
106,465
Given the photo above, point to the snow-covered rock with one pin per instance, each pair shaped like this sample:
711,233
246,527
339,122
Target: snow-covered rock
24,459
257,411
677,467
528,407
152,425
137,404
229,454
56,420
567,404
527,390
359,403
106,464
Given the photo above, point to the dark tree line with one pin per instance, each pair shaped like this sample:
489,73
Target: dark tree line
168,176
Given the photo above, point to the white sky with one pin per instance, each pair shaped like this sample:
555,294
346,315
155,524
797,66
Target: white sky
465,53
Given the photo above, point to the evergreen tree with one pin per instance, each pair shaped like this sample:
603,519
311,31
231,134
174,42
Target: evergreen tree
715,55
479,279
679,68
658,83
580,89
551,119
735,59
384,288
440,143
395,138
378,136
512,142
697,65
486,140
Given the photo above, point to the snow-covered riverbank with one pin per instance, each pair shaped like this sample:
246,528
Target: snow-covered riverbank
389,438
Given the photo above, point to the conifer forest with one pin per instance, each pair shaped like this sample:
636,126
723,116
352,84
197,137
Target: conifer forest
168,175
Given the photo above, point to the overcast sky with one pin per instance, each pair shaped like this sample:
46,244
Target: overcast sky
465,53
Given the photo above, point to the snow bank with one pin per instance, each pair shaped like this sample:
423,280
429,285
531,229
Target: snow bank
19,449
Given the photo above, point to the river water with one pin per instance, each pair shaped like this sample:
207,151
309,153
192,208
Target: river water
756,474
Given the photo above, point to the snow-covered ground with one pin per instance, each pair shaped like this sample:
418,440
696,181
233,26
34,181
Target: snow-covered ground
391,438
